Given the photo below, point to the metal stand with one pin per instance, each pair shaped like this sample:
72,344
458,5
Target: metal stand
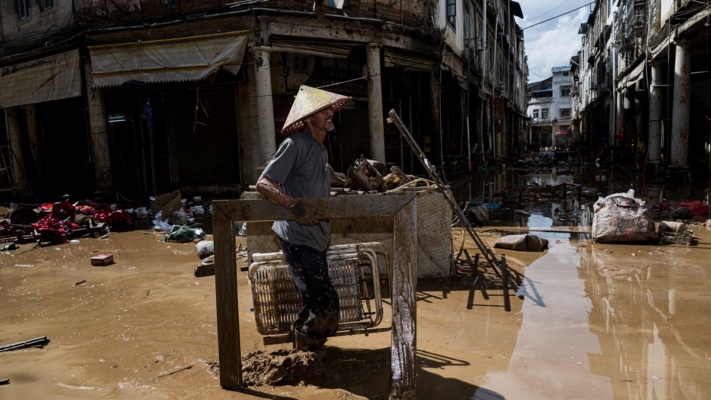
499,267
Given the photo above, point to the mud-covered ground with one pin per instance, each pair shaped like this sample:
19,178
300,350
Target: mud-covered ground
598,322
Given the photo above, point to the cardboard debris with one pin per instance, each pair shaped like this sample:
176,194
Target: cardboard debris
167,204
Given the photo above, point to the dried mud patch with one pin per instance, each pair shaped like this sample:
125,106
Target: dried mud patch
330,367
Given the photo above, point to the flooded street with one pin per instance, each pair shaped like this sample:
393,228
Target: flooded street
599,321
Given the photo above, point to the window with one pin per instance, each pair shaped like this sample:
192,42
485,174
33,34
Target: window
22,8
535,113
467,27
565,91
45,5
544,113
566,73
565,112
452,13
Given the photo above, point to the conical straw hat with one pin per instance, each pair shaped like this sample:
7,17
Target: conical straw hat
310,101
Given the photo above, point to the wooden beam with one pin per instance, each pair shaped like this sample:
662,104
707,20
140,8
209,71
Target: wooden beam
226,297
403,362
351,206
403,206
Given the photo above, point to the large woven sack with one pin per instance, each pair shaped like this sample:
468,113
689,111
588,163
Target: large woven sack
622,219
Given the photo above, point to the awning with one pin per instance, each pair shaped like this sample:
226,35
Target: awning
562,133
394,59
635,75
516,9
319,48
455,64
50,78
172,60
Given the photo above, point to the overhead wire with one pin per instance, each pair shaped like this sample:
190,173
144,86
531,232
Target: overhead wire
552,18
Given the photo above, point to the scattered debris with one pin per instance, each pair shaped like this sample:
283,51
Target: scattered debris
175,371
36,342
24,265
682,213
4,382
79,283
522,243
101,260
675,227
204,270
696,207
184,234
205,249
11,246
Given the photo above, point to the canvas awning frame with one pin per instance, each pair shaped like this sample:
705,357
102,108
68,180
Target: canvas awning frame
406,62
45,79
170,60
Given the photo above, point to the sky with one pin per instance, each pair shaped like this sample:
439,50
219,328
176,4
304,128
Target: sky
551,44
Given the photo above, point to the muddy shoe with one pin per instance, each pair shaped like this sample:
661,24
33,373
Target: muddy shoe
306,343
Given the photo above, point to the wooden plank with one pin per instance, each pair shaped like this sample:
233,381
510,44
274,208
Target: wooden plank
226,296
350,206
403,362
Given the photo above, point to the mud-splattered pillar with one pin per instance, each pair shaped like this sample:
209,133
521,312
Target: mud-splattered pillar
99,133
654,147
20,190
375,104
265,104
680,112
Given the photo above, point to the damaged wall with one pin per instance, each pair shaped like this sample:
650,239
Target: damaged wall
415,13
20,20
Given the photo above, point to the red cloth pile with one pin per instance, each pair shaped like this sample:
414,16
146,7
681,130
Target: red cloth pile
5,228
116,219
53,229
696,207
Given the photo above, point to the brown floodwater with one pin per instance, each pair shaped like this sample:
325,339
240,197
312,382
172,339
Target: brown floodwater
597,322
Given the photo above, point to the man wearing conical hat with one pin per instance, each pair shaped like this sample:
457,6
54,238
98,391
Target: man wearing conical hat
298,170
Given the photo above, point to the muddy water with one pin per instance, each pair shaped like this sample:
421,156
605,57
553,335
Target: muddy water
611,321
598,322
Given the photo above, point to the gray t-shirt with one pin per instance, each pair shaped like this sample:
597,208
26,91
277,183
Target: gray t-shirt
300,166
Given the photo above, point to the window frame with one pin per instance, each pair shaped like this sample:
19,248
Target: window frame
43,6
545,113
468,25
535,113
22,12
563,88
451,18
565,112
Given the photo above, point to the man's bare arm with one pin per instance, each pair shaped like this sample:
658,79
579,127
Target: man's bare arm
271,191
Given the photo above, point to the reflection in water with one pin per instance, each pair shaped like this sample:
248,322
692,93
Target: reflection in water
651,318
551,355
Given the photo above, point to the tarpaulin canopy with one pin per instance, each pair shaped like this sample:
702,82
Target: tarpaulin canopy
172,60
633,76
562,133
49,78
321,48
406,62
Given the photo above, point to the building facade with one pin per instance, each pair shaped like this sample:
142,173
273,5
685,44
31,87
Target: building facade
641,79
550,110
147,96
